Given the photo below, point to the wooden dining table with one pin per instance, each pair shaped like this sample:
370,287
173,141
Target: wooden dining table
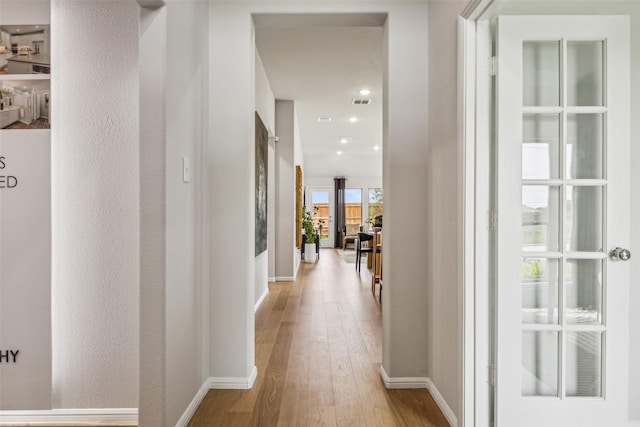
377,238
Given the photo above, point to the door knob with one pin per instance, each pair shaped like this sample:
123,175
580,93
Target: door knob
619,254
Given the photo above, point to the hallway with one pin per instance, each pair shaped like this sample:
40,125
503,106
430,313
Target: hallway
318,353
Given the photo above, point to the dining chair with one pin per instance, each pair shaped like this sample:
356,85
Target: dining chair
362,238
376,273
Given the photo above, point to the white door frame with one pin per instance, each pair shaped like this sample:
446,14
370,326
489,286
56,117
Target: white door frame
330,190
475,218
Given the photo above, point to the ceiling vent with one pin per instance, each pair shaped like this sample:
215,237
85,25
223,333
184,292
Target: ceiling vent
361,101
324,119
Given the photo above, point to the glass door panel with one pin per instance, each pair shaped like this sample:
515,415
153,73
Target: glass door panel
583,291
584,364
584,151
584,225
540,290
585,73
540,213
322,212
541,146
541,73
539,363
557,203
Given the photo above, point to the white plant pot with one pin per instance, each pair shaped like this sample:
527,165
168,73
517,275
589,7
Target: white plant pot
309,252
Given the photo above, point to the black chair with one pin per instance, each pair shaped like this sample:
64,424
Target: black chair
362,237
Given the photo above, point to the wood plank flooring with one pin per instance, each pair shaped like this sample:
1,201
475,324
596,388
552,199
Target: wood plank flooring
318,353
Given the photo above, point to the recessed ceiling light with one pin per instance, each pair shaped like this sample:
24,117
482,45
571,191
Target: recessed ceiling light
37,26
18,30
364,92
339,153
353,119
376,148
345,139
324,119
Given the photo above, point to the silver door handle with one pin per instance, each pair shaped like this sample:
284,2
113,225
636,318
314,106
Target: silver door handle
619,254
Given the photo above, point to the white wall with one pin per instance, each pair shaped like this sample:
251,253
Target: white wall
266,108
298,160
445,279
153,262
613,7
405,320
14,12
265,101
231,165
95,211
285,190
186,119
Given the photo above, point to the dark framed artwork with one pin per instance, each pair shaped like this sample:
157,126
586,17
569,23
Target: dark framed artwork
262,147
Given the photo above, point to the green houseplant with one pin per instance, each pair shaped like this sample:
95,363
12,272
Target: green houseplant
310,237
307,225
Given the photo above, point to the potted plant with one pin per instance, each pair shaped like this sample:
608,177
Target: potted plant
376,221
310,237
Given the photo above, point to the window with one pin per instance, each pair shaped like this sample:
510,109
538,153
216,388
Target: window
375,202
353,205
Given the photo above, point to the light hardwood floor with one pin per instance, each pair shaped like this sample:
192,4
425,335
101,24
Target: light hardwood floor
318,353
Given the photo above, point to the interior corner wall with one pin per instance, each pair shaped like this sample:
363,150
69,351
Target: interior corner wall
266,109
271,211
405,317
231,181
285,190
95,204
153,262
298,154
445,351
186,130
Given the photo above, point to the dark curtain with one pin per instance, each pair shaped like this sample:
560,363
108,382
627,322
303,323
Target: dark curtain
340,211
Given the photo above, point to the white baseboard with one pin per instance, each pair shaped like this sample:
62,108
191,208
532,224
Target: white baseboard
271,279
193,406
261,300
220,383
420,382
77,417
233,383
285,279
442,404
402,382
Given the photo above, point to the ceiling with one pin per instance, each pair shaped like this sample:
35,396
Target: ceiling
322,68
16,30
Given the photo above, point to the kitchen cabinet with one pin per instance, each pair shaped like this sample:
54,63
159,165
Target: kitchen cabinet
8,117
16,67
5,39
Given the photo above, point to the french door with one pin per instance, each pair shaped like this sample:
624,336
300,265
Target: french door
563,207
321,208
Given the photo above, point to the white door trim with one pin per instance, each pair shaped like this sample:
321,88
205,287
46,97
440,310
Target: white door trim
474,90
332,208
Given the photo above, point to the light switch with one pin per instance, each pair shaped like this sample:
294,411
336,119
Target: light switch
186,169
